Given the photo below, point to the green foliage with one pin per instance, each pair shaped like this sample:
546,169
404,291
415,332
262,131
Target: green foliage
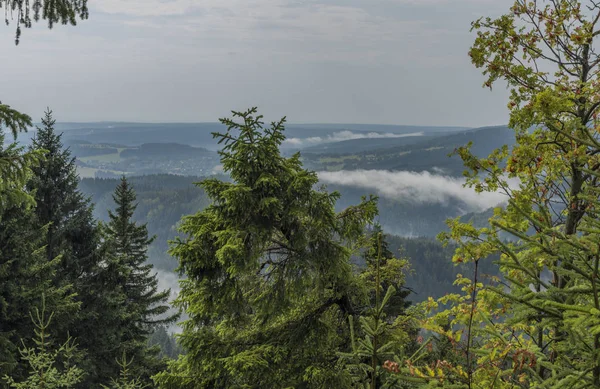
125,381
167,343
140,306
13,120
385,331
72,235
537,327
15,164
28,11
25,274
162,201
269,283
49,368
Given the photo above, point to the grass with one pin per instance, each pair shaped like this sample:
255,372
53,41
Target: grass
86,172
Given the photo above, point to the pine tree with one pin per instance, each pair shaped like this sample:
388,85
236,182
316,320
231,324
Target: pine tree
28,11
60,205
166,341
392,273
73,235
381,333
269,281
144,307
25,275
49,367
15,163
126,379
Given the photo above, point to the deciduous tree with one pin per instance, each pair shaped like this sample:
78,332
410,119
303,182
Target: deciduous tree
539,325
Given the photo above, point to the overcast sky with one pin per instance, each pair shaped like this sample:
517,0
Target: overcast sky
331,61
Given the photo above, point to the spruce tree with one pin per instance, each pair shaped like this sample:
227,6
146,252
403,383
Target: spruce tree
15,163
25,276
73,236
49,366
60,205
269,280
392,273
25,12
144,307
381,332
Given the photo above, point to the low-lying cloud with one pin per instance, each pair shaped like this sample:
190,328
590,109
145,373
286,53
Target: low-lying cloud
344,135
170,280
413,187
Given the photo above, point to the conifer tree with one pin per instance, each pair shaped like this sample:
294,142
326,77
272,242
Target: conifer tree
60,204
50,367
25,12
143,307
269,281
15,163
166,341
73,235
126,378
25,275
382,332
392,271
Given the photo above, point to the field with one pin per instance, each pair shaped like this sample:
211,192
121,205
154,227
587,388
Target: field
106,158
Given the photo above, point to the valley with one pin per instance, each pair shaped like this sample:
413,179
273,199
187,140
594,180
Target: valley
417,181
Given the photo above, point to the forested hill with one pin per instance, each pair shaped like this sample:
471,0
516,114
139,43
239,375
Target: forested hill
200,134
427,153
164,199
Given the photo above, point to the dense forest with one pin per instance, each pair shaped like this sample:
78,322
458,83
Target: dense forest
285,283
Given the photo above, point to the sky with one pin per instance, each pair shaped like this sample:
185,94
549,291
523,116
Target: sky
314,61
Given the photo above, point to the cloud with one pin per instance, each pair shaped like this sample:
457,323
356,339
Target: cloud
170,280
317,29
412,187
218,169
342,136
360,61
145,7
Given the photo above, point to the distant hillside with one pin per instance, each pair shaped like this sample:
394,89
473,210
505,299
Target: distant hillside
106,160
164,150
200,134
429,154
164,199
397,129
367,144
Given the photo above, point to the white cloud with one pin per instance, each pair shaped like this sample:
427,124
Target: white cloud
412,187
344,135
169,280
358,61
275,23
145,7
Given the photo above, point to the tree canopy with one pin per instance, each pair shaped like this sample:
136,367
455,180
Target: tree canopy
25,12
536,325
269,282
